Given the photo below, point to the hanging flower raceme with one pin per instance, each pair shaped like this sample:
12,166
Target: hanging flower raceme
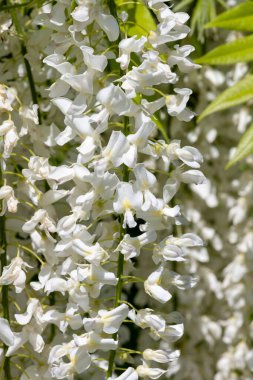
101,223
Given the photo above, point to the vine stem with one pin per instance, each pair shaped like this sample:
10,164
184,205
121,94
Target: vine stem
120,267
27,64
15,6
5,299
119,286
176,231
112,7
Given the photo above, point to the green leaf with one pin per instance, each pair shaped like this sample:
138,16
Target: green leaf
140,20
240,50
30,3
204,11
241,92
237,18
182,5
244,149
161,128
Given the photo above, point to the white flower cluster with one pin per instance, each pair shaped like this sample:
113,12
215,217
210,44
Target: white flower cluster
97,196
219,313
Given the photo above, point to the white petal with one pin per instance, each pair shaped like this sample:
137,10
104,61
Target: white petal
109,26
193,176
36,341
52,196
19,340
129,374
25,318
170,190
82,359
6,335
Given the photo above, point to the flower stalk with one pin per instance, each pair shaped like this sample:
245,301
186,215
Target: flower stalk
120,266
5,288
26,62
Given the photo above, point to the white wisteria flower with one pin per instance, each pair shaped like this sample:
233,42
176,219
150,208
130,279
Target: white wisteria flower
9,201
86,150
14,273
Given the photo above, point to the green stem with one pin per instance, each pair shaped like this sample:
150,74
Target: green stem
174,302
27,64
119,286
175,233
5,8
5,299
52,326
120,268
112,7
51,295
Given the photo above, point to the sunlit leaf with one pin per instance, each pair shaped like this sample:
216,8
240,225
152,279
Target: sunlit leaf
140,20
237,18
204,11
244,149
240,50
183,4
241,92
10,7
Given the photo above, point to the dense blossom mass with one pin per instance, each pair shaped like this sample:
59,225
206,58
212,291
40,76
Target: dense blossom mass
218,314
94,253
